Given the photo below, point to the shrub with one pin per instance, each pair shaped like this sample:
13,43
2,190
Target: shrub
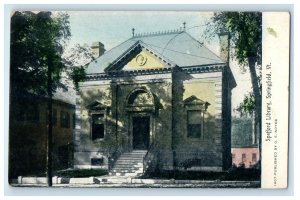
72,173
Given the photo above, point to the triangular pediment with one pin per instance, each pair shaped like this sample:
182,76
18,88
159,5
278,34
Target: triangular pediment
96,105
139,57
193,100
144,60
196,103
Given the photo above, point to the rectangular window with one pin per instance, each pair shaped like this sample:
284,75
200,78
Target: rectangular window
233,156
243,157
64,119
97,161
97,126
54,117
194,124
254,159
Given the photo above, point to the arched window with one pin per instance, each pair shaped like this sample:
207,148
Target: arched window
140,99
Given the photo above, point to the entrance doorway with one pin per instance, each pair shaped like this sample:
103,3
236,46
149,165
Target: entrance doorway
141,132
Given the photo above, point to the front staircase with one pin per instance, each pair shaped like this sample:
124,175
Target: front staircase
129,164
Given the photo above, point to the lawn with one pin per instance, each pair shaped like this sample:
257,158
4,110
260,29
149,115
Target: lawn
236,175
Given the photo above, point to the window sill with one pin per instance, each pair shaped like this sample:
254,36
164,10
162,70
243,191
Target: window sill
98,140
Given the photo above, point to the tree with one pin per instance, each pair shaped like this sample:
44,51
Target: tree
245,29
247,106
36,40
76,59
37,44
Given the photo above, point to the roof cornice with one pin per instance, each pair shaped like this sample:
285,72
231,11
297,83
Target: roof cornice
120,73
204,68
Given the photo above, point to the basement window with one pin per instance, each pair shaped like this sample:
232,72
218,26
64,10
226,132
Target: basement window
98,126
97,161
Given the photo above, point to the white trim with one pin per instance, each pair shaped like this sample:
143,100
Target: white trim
95,83
207,75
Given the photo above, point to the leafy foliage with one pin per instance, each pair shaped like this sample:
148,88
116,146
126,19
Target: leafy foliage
247,106
77,173
77,75
38,40
75,59
246,32
245,29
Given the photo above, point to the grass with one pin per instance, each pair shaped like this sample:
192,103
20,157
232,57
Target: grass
236,175
78,173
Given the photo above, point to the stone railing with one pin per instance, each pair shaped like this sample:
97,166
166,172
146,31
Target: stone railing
150,159
112,160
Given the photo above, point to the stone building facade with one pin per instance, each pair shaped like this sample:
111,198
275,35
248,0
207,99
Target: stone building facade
163,93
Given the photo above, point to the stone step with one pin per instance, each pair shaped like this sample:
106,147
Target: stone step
131,156
131,162
138,151
128,165
134,153
131,159
124,174
126,171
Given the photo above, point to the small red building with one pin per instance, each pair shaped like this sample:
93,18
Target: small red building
244,143
247,156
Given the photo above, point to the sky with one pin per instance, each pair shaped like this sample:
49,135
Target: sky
114,27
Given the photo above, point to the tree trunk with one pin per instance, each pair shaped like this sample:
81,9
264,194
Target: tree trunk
257,98
49,135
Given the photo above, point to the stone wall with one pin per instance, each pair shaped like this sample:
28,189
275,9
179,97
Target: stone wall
206,152
114,94
85,147
168,124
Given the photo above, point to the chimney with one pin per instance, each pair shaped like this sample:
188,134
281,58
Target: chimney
224,39
97,49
